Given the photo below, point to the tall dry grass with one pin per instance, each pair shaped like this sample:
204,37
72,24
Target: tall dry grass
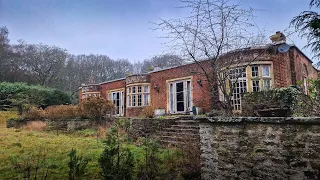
5,115
62,112
35,126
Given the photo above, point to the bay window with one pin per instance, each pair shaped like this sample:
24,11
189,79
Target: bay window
138,96
252,78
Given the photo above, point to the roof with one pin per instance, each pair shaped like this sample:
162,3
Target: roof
119,79
263,46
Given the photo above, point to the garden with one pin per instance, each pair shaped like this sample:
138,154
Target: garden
42,150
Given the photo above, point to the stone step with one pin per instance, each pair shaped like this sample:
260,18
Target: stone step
188,121
181,130
182,134
175,143
166,142
179,138
185,126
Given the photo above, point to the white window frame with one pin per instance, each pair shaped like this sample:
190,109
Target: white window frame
172,94
121,101
142,90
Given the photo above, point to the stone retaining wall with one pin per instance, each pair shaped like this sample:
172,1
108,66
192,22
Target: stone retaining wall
145,127
68,124
260,148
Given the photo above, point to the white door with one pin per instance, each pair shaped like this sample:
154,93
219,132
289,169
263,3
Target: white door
180,100
118,101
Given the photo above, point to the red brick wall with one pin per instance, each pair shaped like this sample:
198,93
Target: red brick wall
303,67
112,85
281,70
200,95
133,111
287,68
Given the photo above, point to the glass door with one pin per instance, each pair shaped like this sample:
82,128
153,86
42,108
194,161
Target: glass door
180,105
180,96
118,101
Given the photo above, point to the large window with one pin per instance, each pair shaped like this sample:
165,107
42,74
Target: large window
138,96
238,77
251,78
180,96
261,80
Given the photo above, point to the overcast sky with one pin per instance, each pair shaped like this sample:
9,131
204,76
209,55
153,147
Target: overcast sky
120,28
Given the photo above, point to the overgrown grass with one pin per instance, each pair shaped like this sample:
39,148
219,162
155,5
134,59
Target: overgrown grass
4,115
25,143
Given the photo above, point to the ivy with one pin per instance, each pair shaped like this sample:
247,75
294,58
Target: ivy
287,97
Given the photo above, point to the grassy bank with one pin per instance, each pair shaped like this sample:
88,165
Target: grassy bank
26,146
20,143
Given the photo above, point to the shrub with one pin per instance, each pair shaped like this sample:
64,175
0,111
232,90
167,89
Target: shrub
36,126
35,114
34,166
283,100
288,97
102,131
21,95
96,108
150,168
77,166
116,161
62,112
148,112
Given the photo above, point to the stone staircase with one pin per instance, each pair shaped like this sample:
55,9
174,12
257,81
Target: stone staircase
182,132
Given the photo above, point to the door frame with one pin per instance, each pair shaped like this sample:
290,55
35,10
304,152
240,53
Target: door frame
121,100
174,82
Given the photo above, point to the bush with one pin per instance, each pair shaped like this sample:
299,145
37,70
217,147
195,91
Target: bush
62,112
96,108
150,168
77,166
148,112
22,95
116,161
36,126
34,166
35,114
275,102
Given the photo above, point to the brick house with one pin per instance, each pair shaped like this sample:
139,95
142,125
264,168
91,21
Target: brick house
176,90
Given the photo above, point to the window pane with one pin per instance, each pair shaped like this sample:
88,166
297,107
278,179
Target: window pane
254,71
146,99
139,100
129,100
179,86
146,89
266,84
139,89
180,106
133,100
255,86
266,70
133,89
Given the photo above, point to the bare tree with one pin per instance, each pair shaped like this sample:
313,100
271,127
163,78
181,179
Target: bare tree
42,62
217,31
